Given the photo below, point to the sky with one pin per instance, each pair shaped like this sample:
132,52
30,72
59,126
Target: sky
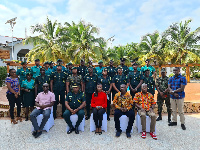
126,20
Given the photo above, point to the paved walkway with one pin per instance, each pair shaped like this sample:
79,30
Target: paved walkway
17,137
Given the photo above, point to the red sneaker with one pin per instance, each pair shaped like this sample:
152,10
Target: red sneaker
143,135
153,135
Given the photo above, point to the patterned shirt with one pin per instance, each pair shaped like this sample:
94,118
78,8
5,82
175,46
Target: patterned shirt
123,101
146,100
162,83
14,83
175,83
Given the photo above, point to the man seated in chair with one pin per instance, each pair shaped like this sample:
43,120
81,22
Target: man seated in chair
145,103
44,101
75,102
123,103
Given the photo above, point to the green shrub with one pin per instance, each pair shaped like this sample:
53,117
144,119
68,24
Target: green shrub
3,75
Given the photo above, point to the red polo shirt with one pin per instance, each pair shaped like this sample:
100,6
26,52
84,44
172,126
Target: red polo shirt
100,100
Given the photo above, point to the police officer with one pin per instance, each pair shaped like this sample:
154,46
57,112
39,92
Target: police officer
47,69
90,83
75,102
106,82
35,70
74,78
163,94
100,68
124,67
51,65
21,72
58,87
149,81
133,62
89,65
68,69
82,68
119,79
135,79
148,66
112,71
40,80
59,61
28,96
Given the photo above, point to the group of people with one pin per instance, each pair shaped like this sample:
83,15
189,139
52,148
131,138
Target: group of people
78,87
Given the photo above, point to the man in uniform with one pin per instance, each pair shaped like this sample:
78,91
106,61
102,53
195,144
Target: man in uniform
124,67
58,87
148,66
35,70
40,80
21,72
47,69
75,102
119,79
68,69
90,83
74,78
89,65
149,81
59,61
100,68
176,87
82,68
163,94
135,79
112,71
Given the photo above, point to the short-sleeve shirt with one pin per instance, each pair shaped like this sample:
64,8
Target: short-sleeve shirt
112,71
54,69
126,101
75,100
99,71
105,82
59,81
28,85
150,84
35,71
45,99
131,69
14,83
118,80
151,69
90,83
175,83
144,100
74,79
125,70
135,79
22,74
40,81
48,71
81,71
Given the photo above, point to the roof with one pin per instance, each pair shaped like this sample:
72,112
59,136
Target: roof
5,40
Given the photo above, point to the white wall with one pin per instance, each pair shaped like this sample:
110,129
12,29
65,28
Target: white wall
20,46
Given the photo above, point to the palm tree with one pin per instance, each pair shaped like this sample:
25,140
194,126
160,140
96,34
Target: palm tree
151,47
182,46
46,45
83,42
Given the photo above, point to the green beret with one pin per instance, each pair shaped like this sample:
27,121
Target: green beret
100,61
119,67
59,60
75,85
23,62
69,63
74,67
37,60
82,60
46,62
51,62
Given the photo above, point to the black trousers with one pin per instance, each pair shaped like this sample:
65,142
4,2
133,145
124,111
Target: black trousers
88,102
12,100
98,116
118,113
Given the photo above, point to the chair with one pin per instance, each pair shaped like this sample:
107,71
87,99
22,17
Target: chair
124,123
104,123
139,126
49,124
74,119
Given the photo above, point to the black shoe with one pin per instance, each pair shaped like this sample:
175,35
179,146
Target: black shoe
183,127
38,134
108,119
70,130
76,130
159,118
169,120
26,119
172,124
54,117
34,133
118,134
128,135
87,117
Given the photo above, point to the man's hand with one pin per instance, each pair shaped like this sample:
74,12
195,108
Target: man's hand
42,106
134,90
107,92
72,111
176,95
76,110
